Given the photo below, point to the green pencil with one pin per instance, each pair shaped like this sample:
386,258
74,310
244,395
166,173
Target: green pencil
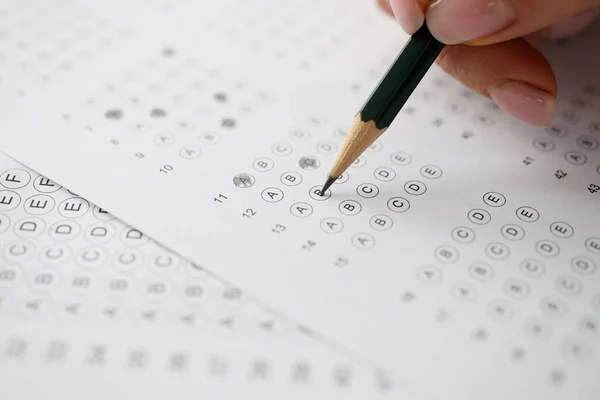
387,99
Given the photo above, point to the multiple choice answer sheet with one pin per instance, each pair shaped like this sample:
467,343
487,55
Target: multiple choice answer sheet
461,249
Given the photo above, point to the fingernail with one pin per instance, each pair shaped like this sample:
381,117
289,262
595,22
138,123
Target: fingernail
573,25
524,101
409,14
452,21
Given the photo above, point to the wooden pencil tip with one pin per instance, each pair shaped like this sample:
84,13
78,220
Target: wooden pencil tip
330,181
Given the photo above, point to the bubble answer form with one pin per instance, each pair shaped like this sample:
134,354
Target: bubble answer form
461,249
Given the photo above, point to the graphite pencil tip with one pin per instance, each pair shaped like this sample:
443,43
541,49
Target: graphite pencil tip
330,181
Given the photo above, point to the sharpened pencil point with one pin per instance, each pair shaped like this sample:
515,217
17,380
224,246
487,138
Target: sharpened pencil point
327,185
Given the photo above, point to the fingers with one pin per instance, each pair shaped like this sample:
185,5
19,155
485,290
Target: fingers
492,21
515,75
386,6
573,25
409,14
489,21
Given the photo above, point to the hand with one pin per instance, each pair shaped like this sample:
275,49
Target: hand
492,45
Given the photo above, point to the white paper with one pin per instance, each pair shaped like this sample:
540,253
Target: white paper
159,131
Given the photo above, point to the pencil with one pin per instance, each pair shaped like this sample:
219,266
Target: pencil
386,101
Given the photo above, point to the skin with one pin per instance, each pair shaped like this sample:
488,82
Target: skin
491,45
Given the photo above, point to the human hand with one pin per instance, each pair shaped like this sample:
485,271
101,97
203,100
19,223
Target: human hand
491,45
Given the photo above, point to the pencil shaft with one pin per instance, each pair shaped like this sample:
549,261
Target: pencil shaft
402,78
387,100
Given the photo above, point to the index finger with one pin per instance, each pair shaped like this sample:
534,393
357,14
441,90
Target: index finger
491,21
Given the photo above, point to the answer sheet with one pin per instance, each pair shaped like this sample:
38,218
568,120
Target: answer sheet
461,249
